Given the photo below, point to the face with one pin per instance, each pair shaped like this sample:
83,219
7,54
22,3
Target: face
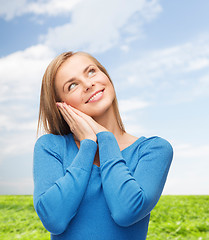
81,84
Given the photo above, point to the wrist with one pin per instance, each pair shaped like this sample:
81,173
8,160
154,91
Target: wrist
100,129
91,137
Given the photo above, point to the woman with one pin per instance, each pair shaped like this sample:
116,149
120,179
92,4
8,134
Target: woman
92,179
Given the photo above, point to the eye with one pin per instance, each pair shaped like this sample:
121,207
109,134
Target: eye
71,86
91,72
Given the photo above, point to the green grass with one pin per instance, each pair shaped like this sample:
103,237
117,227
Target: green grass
174,217
18,219
180,217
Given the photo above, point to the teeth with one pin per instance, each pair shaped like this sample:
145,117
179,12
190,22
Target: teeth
94,96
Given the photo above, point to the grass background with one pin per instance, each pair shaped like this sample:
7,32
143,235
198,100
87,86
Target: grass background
174,217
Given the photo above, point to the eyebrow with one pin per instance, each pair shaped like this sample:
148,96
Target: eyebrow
73,79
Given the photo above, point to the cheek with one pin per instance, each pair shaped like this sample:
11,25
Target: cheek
105,80
111,90
74,100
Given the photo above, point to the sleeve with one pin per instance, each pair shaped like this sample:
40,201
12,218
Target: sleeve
57,194
131,197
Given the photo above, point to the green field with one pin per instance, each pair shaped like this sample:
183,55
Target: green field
174,217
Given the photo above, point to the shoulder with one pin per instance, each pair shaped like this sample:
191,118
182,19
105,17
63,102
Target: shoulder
50,144
48,139
156,145
51,141
155,141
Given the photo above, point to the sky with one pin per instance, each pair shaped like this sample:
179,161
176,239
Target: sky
157,54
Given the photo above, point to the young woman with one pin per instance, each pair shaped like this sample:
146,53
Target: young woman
93,180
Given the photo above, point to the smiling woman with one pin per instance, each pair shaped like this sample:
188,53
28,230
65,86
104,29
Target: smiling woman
49,115
82,85
92,179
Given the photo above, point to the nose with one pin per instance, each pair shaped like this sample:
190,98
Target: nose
88,84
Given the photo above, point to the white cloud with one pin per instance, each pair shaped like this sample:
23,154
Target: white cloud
20,81
189,183
202,87
131,104
185,58
130,110
21,186
96,27
189,170
11,9
21,72
197,64
135,129
167,70
189,151
13,122
52,7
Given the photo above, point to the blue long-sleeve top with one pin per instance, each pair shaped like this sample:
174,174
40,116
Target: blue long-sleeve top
78,200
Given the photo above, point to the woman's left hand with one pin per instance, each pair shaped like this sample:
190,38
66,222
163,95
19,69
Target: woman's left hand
94,125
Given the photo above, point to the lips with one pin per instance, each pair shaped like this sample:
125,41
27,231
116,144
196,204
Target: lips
93,96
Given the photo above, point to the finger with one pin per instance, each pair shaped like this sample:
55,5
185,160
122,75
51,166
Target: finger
94,125
74,118
66,116
81,114
70,121
78,125
70,111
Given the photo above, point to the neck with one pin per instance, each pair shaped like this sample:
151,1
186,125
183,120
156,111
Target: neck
109,121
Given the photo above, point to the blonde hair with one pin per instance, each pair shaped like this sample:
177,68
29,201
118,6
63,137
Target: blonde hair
50,119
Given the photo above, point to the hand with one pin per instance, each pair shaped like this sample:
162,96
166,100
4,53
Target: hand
78,125
94,125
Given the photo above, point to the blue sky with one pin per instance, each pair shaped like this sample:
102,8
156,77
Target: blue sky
157,54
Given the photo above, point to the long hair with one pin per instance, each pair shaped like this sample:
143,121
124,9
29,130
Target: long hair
50,119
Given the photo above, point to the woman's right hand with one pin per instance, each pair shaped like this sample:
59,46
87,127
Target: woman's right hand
78,125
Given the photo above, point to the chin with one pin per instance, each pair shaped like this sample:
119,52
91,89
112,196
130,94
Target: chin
100,112
95,113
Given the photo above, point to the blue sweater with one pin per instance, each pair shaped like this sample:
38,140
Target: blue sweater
77,200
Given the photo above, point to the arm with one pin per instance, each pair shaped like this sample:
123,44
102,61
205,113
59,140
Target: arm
58,194
131,197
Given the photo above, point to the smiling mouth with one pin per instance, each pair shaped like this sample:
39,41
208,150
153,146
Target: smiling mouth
94,96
